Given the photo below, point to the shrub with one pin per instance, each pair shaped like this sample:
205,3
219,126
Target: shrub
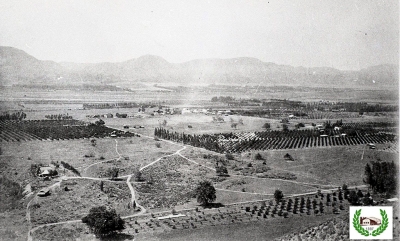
258,157
158,145
267,125
278,195
229,156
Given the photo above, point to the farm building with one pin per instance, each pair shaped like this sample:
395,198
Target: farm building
47,171
367,221
44,192
108,115
307,128
186,111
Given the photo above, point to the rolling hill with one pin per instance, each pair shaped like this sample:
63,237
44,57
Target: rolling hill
17,67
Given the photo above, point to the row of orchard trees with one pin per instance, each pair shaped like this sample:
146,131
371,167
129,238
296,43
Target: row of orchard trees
14,116
59,117
207,141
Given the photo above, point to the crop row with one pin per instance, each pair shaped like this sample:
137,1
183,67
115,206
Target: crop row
53,130
239,142
239,214
299,142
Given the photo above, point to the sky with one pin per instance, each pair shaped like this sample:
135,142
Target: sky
345,34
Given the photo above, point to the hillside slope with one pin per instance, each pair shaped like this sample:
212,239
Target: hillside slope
17,67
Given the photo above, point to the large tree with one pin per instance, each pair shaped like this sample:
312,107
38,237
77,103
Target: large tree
278,195
103,222
205,193
382,177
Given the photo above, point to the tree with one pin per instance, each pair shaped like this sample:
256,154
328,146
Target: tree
368,179
205,193
138,176
113,173
285,127
382,177
360,194
100,123
93,141
353,198
258,157
267,126
278,195
103,222
221,171
234,125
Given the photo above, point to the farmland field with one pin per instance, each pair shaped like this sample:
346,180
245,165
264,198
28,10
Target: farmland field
158,173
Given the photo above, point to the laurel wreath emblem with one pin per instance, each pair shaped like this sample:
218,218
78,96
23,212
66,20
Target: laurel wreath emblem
383,226
357,226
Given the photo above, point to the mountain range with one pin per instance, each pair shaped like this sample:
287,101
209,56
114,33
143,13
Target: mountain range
19,68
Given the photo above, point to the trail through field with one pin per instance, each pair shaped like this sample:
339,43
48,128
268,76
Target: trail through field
133,196
159,159
90,165
212,169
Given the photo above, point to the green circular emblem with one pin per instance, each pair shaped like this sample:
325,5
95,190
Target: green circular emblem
357,226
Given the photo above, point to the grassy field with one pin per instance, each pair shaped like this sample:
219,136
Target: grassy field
169,183
270,229
76,203
264,186
174,178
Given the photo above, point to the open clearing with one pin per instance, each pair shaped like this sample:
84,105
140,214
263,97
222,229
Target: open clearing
82,195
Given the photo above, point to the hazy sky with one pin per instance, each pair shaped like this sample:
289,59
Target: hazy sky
343,34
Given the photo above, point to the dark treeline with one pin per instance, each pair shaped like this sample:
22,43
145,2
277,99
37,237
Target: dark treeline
71,168
111,105
274,104
206,141
14,116
381,177
59,117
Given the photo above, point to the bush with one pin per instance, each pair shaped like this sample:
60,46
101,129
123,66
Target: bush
267,126
158,145
221,171
229,156
258,157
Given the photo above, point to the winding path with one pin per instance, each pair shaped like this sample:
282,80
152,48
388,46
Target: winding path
133,197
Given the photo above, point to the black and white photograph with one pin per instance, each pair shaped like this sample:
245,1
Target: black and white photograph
184,120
